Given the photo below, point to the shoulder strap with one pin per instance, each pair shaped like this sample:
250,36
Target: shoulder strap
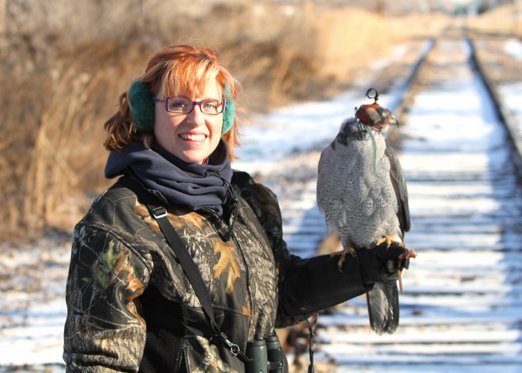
189,267
192,272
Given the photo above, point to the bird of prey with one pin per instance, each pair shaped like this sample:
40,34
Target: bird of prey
362,192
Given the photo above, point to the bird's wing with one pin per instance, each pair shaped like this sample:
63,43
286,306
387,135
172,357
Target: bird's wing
399,185
328,180
324,173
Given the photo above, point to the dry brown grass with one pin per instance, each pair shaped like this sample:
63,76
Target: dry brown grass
505,20
63,71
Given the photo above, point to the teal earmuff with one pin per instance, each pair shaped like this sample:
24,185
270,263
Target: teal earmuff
229,112
142,108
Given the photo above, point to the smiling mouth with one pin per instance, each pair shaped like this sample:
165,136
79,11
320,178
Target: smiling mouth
192,137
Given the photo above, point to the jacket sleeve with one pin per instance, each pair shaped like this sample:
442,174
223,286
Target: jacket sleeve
305,285
104,330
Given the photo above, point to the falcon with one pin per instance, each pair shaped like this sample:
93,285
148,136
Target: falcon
362,192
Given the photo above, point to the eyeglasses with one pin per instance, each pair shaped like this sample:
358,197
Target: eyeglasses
181,105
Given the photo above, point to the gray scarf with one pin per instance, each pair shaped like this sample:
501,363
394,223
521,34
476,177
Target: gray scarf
192,185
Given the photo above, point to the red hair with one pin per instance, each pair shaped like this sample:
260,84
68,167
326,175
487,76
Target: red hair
172,69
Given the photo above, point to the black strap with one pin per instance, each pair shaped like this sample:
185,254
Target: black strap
192,272
311,327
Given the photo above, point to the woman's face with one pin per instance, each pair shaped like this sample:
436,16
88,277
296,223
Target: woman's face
191,137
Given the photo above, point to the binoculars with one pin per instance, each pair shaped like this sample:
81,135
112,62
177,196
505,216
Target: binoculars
266,356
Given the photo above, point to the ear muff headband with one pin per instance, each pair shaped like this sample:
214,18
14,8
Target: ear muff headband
142,108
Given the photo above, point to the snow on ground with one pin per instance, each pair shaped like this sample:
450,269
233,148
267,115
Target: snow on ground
511,92
32,304
514,48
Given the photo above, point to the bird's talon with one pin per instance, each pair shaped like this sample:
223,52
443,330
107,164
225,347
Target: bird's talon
342,258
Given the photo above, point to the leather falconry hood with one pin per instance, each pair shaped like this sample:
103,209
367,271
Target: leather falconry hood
374,115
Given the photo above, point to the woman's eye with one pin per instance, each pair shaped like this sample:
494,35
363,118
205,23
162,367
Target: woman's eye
178,104
210,105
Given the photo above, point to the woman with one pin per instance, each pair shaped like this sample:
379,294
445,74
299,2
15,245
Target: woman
132,302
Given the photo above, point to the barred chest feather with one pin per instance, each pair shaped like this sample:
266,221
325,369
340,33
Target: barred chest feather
355,190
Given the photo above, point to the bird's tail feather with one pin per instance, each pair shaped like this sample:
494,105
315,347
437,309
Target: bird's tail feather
383,307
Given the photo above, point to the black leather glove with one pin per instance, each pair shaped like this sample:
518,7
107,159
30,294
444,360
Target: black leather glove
317,283
381,263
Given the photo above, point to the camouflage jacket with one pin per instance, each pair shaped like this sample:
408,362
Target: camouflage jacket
131,308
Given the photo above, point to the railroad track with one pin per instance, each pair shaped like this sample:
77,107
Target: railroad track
462,305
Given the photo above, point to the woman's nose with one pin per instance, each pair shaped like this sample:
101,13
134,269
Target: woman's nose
195,116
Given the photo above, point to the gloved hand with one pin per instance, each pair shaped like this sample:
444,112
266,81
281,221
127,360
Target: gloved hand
381,263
